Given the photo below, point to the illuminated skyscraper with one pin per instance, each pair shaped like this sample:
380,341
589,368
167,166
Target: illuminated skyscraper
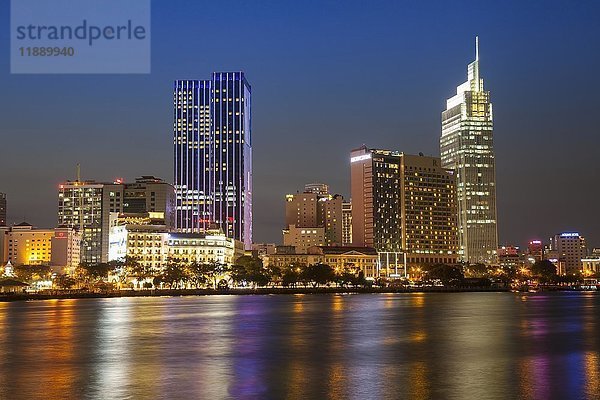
467,147
404,206
213,155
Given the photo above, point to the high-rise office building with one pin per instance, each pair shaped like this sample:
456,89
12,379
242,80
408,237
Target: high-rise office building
313,218
466,146
80,207
86,205
213,155
2,209
404,204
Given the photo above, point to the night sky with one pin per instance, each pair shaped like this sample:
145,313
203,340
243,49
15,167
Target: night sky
328,76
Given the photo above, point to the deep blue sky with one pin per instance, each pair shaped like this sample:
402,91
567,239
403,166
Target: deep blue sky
328,76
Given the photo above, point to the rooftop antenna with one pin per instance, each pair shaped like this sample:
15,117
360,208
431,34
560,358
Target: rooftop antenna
78,172
476,48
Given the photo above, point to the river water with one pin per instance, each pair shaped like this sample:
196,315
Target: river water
360,346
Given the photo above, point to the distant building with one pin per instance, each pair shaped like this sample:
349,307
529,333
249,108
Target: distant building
313,218
87,205
535,250
149,194
303,238
591,265
467,147
66,249
2,209
80,206
264,249
404,206
29,246
212,137
340,258
57,247
509,256
570,248
140,236
204,248
4,245
346,223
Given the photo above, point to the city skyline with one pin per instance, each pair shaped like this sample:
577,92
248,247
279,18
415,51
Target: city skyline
543,175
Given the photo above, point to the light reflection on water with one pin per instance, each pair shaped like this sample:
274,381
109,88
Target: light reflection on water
417,346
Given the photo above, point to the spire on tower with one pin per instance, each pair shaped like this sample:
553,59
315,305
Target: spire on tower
476,48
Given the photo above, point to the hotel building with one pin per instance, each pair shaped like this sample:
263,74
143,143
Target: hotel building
404,206
570,248
152,246
213,155
466,146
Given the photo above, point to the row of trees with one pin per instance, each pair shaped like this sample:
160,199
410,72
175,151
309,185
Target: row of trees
543,271
250,272
246,272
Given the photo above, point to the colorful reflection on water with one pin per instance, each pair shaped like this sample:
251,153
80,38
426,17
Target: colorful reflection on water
417,346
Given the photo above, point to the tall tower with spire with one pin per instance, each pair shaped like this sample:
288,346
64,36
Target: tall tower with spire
467,147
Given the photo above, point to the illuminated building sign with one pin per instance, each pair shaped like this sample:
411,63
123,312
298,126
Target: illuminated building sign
569,234
360,158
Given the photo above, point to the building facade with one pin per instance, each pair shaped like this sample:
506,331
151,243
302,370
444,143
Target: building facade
27,245
535,251
404,206
313,218
87,205
213,155
338,257
346,223
66,249
303,238
571,249
148,242
142,236
80,206
428,211
467,147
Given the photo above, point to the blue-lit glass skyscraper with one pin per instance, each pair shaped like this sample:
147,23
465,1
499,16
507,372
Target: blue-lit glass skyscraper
213,155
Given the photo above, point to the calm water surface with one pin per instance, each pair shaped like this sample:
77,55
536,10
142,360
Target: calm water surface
413,346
